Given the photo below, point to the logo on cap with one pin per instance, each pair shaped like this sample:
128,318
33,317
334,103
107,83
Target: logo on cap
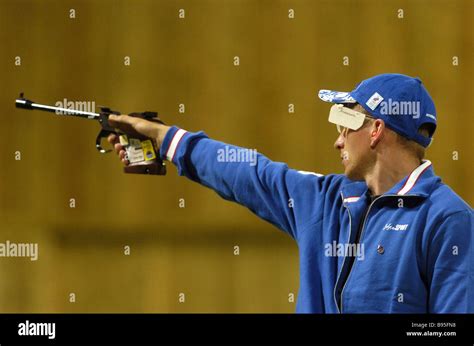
374,101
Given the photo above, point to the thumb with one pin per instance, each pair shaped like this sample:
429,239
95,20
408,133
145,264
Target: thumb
132,125
118,120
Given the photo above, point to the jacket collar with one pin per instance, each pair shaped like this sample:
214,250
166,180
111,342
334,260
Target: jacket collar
419,182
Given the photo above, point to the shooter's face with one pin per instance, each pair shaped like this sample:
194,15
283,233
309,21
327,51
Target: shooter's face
355,151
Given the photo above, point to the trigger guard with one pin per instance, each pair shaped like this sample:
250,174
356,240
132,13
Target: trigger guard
102,134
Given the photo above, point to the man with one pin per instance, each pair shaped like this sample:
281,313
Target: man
387,236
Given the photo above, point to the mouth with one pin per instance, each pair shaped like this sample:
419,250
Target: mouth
343,160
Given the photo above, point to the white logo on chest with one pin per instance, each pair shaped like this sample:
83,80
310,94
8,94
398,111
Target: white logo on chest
397,227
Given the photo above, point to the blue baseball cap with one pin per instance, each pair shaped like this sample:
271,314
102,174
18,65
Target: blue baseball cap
401,101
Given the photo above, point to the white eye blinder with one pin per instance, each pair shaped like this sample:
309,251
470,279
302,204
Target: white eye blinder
346,117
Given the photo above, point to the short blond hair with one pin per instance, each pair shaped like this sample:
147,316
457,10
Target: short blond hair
417,149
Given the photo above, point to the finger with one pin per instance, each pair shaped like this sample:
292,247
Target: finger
117,120
122,154
133,125
114,120
118,147
125,162
112,138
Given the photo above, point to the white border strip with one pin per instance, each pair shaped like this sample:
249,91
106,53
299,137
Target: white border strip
174,144
351,199
414,177
310,173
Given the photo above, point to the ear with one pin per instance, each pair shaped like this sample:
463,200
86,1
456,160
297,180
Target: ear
377,131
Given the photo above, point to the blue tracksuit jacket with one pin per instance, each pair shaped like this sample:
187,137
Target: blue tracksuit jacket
416,246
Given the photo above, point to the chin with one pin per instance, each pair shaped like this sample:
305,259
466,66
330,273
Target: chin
352,174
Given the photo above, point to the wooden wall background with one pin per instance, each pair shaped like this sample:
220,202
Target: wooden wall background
190,250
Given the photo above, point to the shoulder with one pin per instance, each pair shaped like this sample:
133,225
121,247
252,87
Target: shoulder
312,185
447,201
446,209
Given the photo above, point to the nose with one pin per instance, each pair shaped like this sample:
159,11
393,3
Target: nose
339,143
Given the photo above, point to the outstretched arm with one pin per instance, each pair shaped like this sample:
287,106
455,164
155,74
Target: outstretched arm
265,187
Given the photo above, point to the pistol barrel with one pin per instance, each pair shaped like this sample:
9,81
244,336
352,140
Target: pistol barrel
28,104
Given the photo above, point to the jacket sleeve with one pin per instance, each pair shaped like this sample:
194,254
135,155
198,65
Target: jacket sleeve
451,265
265,187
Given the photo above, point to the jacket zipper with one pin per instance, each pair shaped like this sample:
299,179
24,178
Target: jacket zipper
344,261
360,239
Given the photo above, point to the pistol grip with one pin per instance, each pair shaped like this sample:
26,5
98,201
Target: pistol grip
156,166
